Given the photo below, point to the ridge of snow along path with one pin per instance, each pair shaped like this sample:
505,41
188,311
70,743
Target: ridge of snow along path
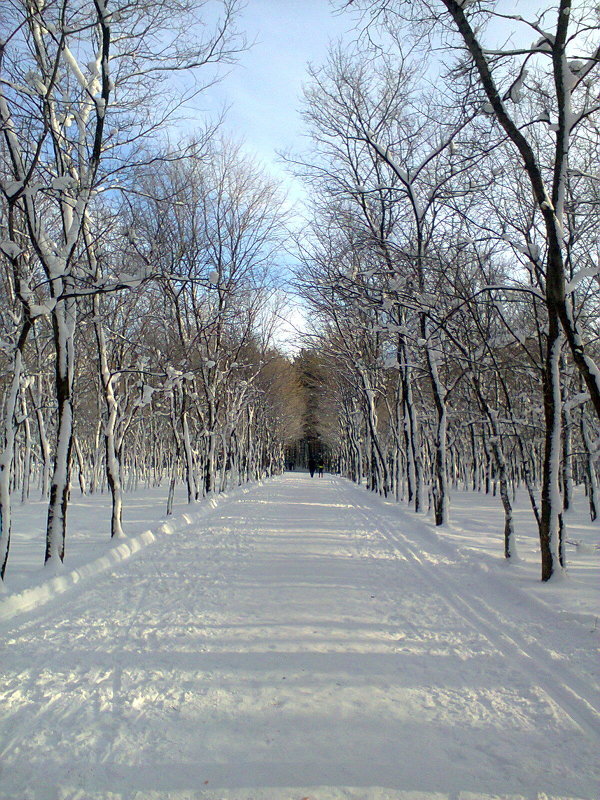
305,640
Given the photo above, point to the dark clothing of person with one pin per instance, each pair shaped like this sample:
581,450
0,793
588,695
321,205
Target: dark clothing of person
311,466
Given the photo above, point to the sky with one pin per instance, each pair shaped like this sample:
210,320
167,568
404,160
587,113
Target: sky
262,91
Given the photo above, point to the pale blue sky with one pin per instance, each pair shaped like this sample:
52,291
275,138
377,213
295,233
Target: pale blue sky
263,89
262,92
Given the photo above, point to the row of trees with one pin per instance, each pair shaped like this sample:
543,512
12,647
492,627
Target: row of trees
453,259
451,262
138,303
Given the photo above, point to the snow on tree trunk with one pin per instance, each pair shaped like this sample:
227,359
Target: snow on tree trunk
209,473
440,481
591,479
44,449
551,497
26,481
412,448
80,465
567,451
510,547
8,448
171,492
510,544
63,320
189,457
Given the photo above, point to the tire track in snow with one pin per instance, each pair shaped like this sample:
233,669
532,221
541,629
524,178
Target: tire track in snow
567,689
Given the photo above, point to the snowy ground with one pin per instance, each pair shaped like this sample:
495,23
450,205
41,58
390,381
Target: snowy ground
302,640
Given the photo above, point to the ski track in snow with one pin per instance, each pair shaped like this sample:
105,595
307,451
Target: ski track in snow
303,640
567,689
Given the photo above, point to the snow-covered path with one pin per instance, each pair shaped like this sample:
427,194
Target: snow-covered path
307,641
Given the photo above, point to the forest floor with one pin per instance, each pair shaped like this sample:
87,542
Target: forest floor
302,640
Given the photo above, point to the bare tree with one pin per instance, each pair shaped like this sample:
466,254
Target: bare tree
79,87
557,68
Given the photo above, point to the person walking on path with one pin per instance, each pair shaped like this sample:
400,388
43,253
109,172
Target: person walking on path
311,466
320,468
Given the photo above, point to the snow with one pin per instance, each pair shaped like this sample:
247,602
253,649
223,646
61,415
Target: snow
516,90
10,249
73,66
126,279
529,249
301,639
146,398
543,44
582,274
42,309
12,187
63,182
398,282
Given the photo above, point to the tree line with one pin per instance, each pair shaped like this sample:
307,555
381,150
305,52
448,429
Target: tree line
138,286
452,261
449,261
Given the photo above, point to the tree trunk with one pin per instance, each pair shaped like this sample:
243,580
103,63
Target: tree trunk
189,459
63,321
567,454
412,434
80,465
26,482
551,499
8,447
44,447
591,479
510,548
440,483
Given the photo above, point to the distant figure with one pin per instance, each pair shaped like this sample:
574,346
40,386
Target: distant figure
320,468
311,466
